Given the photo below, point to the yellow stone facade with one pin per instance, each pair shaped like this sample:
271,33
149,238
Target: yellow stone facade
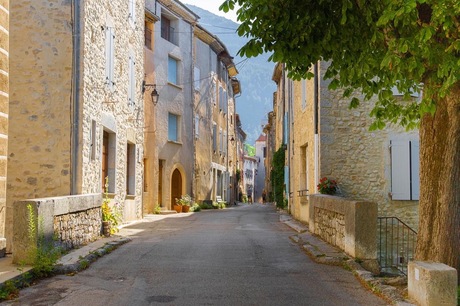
4,98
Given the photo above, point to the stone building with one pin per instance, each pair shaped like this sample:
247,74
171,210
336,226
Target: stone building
76,108
169,161
4,97
259,181
269,130
323,138
249,173
215,88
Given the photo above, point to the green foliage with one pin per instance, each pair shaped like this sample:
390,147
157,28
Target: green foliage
184,200
371,46
43,254
195,207
277,177
245,198
238,175
205,206
9,290
327,186
112,214
157,209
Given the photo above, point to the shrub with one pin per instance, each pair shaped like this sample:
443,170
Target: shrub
327,186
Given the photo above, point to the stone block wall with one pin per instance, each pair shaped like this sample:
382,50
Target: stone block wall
349,225
78,228
74,220
330,225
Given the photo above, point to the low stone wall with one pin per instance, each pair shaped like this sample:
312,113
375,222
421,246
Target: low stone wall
76,229
347,224
73,220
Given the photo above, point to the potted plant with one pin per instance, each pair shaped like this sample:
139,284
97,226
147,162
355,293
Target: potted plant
327,186
111,216
185,201
177,206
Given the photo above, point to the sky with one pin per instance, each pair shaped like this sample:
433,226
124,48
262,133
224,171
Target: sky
213,7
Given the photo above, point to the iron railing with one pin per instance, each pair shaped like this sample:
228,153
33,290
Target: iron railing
396,242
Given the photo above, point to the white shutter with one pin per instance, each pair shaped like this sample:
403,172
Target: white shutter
400,170
132,11
109,54
197,76
197,126
415,169
130,81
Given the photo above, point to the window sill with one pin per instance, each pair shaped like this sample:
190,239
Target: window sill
130,197
175,142
175,85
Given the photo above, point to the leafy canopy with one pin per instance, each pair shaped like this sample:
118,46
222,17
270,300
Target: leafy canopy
372,46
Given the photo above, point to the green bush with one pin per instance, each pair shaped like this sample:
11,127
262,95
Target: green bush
277,176
205,206
196,207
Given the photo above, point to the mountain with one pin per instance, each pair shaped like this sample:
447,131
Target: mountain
255,74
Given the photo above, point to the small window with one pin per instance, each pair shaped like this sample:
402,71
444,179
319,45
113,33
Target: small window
93,139
214,137
172,71
148,32
167,31
173,127
221,142
197,77
197,126
130,169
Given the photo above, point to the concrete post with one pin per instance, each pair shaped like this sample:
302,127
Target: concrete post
432,283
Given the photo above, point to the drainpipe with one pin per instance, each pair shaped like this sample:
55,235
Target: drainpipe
75,102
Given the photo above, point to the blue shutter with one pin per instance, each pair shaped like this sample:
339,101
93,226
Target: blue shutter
172,70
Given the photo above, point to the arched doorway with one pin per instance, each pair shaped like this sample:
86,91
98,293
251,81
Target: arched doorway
176,186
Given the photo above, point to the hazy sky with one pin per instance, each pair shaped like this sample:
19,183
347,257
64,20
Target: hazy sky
213,7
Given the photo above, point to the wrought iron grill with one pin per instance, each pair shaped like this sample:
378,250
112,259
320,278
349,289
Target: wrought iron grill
396,242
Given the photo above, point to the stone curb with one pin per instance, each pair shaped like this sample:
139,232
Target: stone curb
86,261
377,285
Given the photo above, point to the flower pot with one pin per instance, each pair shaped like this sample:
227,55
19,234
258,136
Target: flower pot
185,208
106,228
177,208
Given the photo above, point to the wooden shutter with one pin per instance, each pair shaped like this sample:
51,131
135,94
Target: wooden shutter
415,169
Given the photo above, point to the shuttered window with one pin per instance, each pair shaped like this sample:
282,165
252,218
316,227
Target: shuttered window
405,184
132,12
131,81
109,55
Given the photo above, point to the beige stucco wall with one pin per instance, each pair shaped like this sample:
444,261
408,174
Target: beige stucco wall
4,94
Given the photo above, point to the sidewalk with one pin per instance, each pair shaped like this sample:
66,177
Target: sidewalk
324,253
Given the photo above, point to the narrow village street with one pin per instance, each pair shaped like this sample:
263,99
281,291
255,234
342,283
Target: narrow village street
238,256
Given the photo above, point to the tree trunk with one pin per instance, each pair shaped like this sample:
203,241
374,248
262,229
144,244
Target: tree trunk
439,210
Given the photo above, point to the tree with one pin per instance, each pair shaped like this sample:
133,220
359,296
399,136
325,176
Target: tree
374,46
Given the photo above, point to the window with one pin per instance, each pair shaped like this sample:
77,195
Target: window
148,31
167,31
173,127
213,92
131,80
108,160
214,137
225,142
196,75
131,169
172,70
109,54
197,126
221,142
132,12
93,139
405,184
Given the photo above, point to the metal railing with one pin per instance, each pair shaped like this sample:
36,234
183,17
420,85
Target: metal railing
396,241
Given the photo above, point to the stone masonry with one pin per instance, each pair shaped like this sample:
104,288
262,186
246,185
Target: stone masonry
330,226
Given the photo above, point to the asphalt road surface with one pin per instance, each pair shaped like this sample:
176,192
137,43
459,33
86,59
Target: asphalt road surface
237,256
